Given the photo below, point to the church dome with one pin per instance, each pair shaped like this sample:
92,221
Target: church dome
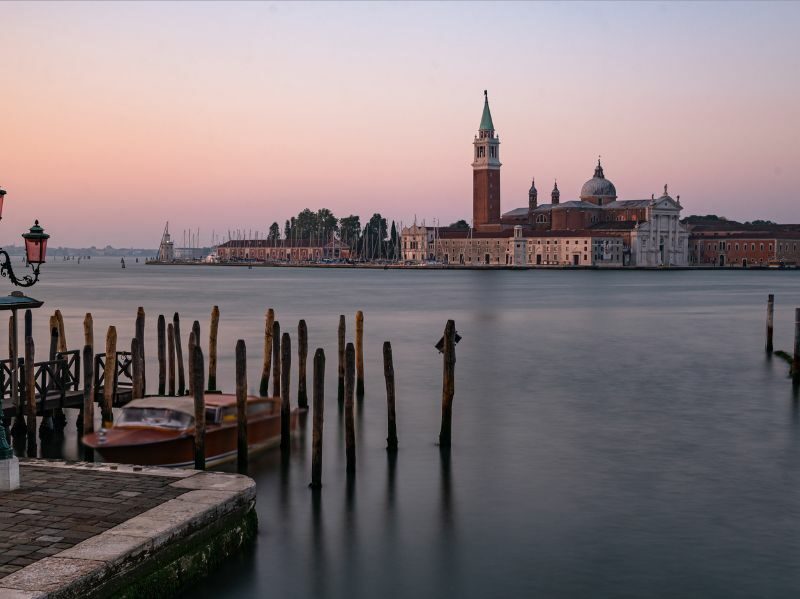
598,186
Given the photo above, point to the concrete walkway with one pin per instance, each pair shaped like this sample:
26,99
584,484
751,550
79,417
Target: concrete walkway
83,530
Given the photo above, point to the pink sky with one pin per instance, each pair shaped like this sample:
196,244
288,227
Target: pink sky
117,117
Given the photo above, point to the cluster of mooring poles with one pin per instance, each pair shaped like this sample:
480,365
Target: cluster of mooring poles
794,359
102,372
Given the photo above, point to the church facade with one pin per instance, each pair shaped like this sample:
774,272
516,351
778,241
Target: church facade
597,229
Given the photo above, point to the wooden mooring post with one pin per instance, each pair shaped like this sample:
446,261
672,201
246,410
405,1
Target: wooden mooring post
770,311
191,345
302,357
171,359
341,340
263,388
136,370
448,383
30,394
276,359
88,398
286,413
176,323
388,373
108,377
199,407
349,421
212,349
140,337
88,330
161,340
88,392
318,408
241,406
62,335
796,356
360,354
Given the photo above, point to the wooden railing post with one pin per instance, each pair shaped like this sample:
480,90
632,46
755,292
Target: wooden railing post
770,312
30,393
88,397
136,368
62,335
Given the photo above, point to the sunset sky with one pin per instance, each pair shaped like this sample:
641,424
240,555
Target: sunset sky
117,117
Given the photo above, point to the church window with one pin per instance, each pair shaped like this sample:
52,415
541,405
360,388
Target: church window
770,247
762,247
752,247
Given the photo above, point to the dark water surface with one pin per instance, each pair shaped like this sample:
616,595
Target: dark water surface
616,434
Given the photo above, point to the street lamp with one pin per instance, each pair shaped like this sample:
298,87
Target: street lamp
35,252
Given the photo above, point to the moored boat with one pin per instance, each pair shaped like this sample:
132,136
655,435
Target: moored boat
160,430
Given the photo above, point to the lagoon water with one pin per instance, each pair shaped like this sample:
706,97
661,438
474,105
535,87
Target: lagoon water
616,434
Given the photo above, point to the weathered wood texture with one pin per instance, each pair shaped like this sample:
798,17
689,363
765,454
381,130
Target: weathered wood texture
161,340
770,314
30,388
302,357
388,373
241,406
140,337
349,416
176,323
171,359
318,408
136,367
448,383
62,334
88,392
360,353
276,359
796,356
212,349
341,341
263,388
199,408
88,330
286,413
108,376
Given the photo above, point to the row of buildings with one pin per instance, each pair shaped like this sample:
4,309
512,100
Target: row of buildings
597,229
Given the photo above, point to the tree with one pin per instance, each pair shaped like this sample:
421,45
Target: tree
460,224
375,233
274,232
350,230
287,230
326,221
393,243
306,224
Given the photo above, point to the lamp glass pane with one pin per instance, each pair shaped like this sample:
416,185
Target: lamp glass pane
35,250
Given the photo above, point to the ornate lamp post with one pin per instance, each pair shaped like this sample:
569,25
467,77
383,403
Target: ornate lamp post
35,252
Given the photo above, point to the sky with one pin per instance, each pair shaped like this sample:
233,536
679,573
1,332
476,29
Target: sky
117,117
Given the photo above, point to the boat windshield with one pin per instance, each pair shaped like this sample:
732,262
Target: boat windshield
160,417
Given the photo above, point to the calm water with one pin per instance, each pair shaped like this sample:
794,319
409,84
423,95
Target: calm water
615,433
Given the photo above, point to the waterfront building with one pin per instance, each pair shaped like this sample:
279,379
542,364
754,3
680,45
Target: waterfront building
771,246
614,232
282,250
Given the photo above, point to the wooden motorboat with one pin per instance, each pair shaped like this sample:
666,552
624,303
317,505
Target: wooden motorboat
160,430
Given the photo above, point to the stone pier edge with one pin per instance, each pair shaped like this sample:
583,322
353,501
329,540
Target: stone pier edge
157,553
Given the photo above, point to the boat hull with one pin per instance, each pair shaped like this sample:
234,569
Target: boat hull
176,449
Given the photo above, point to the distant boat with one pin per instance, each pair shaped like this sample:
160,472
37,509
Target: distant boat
160,430
123,263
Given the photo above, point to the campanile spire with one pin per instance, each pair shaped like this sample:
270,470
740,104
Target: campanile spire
486,171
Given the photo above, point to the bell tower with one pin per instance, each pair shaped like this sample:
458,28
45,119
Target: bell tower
486,172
